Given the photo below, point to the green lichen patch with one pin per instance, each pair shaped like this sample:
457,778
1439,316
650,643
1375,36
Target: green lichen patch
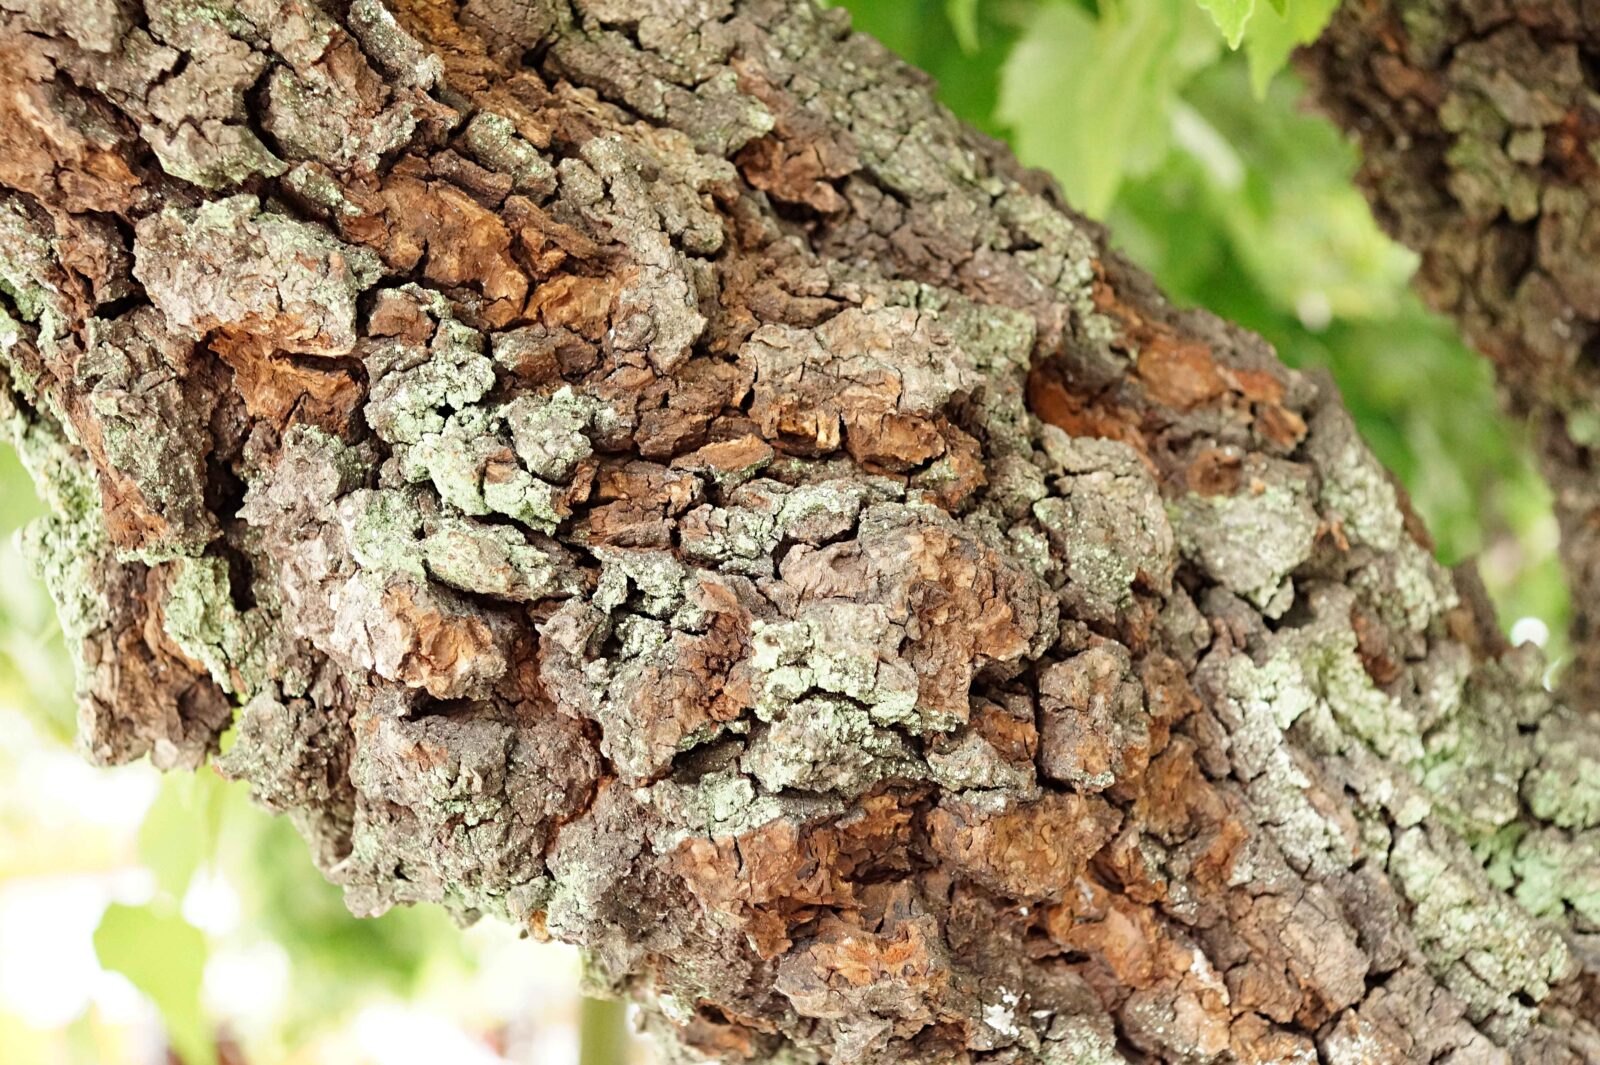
1250,541
494,142
848,649
826,744
498,561
1484,947
199,615
548,431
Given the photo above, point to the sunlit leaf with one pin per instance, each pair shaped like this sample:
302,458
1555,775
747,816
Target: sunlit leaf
1086,97
163,956
1231,17
24,1044
1274,34
963,16
180,830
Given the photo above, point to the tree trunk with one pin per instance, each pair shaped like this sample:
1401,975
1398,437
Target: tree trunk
1479,123
646,472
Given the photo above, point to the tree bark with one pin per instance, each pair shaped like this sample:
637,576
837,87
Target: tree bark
647,473
1478,123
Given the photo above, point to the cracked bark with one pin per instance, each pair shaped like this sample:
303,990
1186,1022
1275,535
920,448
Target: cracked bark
647,473
1478,122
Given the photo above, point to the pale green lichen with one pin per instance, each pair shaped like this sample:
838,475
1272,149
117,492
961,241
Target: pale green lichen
455,460
743,536
426,402
68,546
28,266
973,763
1407,587
659,578
136,410
1480,944
1353,488
1312,682
736,539
645,649
1250,541
67,549
816,513
235,264
493,141
413,390
1476,753
316,185
1563,786
1309,838
548,431
520,497
394,50
466,781
383,529
717,803
1474,768
212,154
185,22
1264,701
1554,870
1107,522
497,561
1329,656
1065,259
1100,568
1075,1041
844,648
199,615
312,114
826,743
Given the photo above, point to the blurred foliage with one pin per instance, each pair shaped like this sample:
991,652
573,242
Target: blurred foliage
1209,174
165,957
1086,96
199,829
1212,175
34,668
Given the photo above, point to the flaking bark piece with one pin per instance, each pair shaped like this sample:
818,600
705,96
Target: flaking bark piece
232,266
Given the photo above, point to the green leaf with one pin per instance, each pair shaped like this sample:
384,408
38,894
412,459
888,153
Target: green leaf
163,956
963,16
1231,16
1274,34
1087,98
179,832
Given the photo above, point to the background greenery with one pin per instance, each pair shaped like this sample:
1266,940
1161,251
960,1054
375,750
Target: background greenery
1208,172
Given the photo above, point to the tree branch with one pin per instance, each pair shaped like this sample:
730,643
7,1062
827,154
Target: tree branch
648,473
1477,123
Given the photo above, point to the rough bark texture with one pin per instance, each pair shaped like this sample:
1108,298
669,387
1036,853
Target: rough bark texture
1479,124
644,471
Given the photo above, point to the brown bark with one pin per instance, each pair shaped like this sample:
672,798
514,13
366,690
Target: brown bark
647,473
1478,122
